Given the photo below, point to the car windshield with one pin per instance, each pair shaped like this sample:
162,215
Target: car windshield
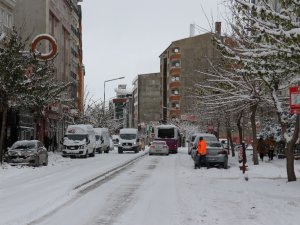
207,139
214,144
158,143
166,133
23,145
76,137
128,136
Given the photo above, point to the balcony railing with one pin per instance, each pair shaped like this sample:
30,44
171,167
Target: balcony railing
175,71
175,98
175,56
175,84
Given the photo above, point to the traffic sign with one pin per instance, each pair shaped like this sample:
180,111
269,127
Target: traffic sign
295,100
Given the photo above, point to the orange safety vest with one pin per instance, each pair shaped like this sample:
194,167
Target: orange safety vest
202,147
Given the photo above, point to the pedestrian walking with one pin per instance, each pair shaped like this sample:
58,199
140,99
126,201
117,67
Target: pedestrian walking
200,157
271,147
261,148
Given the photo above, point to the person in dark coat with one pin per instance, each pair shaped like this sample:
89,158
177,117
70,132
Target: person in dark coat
270,147
261,148
46,142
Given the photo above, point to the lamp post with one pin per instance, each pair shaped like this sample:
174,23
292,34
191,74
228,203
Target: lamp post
104,89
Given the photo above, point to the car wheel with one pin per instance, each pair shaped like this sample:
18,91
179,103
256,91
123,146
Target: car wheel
93,154
86,154
120,151
225,164
46,162
37,161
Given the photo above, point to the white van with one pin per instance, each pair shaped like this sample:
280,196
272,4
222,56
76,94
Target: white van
102,140
129,140
115,139
79,141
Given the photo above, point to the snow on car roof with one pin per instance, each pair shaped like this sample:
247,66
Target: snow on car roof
128,131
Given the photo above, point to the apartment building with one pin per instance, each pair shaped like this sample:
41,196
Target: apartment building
179,64
62,20
6,16
146,100
122,105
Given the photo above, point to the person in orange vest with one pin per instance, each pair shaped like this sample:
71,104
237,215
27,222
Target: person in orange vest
201,151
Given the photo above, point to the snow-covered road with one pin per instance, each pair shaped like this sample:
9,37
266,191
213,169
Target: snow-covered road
162,190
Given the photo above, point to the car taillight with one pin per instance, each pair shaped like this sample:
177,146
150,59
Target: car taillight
151,146
165,146
224,152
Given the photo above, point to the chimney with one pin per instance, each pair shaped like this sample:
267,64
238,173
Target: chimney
218,28
192,30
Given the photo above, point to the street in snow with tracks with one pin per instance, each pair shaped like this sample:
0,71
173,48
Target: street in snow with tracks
136,189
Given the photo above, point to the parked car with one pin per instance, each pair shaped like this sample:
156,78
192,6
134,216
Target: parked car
27,152
191,142
102,139
249,150
159,147
216,154
116,139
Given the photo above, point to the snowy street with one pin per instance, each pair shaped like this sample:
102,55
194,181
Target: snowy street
164,190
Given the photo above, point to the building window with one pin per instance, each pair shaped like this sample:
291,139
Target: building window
6,18
175,105
175,78
175,92
175,64
176,50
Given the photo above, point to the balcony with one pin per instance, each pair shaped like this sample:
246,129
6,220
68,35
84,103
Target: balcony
175,84
175,56
74,52
75,31
174,98
10,3
175,112
74,75
175,71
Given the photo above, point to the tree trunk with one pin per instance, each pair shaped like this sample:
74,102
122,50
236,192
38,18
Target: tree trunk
218,129
2,136
253,109
290,153
230,143
240,128
229,137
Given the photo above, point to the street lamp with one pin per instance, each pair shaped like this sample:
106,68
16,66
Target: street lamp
104,89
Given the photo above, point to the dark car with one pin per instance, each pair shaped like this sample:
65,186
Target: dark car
216,154
27,152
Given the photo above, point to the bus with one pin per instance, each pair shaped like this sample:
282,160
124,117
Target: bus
170,134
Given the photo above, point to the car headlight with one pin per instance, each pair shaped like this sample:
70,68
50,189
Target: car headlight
65,147
81,147
134,143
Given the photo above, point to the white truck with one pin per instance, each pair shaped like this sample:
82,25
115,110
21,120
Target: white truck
79,141
102,140
129,140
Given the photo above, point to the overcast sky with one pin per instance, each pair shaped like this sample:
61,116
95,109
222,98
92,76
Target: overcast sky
125,38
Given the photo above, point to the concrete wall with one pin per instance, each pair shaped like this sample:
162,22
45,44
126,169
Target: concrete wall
148,97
